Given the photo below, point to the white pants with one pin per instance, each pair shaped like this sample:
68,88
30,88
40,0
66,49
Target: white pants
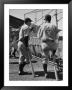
24,53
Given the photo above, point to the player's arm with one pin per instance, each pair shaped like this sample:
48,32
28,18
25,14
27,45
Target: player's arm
21,34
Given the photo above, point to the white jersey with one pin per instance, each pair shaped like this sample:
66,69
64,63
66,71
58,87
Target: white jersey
23,31
48,31
45,31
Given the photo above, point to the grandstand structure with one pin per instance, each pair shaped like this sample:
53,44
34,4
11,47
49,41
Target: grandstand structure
37,15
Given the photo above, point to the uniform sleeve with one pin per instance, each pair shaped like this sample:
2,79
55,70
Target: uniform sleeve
21,33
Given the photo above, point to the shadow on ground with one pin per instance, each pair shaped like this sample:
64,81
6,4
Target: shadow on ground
50,75
60,75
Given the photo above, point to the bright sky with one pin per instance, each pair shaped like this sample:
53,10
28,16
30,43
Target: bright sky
37,14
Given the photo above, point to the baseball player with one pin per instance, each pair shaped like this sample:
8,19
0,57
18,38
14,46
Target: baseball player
49,40
23,48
